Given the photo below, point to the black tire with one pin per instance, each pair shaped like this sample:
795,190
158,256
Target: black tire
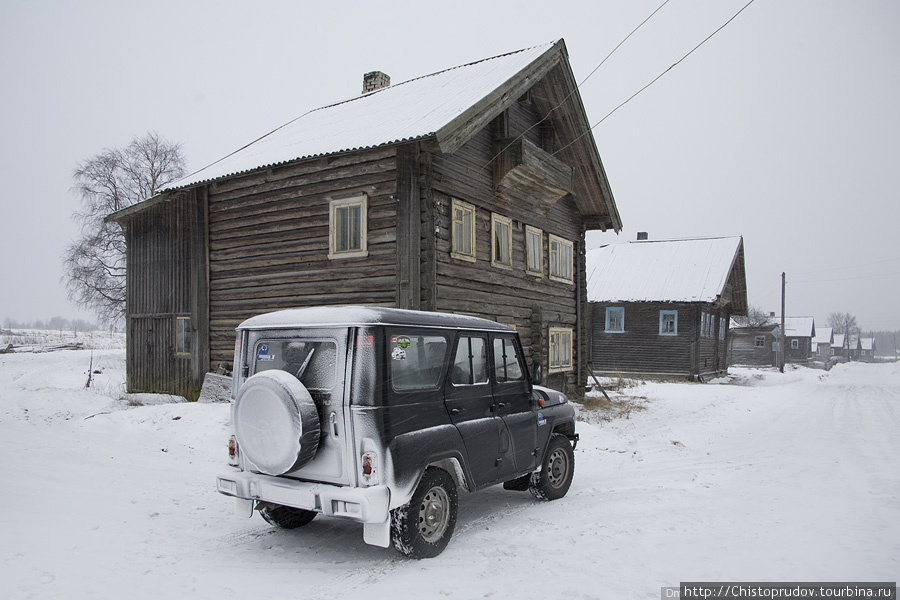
553,480
276,423
286,517
423,527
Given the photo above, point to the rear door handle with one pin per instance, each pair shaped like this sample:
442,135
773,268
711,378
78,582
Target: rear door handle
454,411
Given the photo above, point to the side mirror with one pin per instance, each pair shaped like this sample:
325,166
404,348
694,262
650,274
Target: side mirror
537,373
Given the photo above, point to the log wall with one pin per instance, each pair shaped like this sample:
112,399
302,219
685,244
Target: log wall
269,241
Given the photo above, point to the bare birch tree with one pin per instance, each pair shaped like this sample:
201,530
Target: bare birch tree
844,323
112,180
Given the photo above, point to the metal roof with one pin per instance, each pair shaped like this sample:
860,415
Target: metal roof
689,270
410,110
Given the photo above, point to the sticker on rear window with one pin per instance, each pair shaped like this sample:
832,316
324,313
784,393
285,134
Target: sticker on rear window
263,354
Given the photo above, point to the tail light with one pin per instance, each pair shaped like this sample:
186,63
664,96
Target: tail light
233,451
370,468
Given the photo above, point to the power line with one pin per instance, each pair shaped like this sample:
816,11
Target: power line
847,278
658,77
577,87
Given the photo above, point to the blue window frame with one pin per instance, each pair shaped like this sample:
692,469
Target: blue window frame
615,319
668,322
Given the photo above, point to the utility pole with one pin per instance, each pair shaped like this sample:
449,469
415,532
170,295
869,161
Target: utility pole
783,348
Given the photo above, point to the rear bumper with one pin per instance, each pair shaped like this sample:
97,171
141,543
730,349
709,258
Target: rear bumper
365,505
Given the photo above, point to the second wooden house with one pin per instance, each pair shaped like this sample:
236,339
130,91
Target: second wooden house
662,308
468,191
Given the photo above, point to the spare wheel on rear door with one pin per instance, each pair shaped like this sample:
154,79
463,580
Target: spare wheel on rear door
275,422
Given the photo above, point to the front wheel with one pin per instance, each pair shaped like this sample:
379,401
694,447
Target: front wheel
286,517
555,477
423,527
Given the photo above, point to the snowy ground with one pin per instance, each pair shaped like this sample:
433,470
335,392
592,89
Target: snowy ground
761,476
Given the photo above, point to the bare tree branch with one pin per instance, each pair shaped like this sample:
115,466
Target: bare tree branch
109,181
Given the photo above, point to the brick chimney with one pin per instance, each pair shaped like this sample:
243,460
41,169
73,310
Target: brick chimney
375,80
642,235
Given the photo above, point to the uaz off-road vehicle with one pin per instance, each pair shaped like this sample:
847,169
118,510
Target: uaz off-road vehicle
379,415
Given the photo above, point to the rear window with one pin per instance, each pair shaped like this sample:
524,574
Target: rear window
417,361
313,362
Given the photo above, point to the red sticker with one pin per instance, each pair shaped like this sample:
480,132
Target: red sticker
365,341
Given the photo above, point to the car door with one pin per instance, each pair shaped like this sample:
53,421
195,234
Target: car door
469,399
512,399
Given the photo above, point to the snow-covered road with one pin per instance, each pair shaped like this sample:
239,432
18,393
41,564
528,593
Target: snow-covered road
763,476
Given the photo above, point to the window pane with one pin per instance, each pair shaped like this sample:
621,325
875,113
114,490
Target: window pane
312,362
507,365
534,250
501,242
615,319
470,362
416,361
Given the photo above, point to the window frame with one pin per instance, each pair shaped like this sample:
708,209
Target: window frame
556,243
457,204
498,219
613,310
183,335
795,344
662,320
554,343
531,232
361,201
759,341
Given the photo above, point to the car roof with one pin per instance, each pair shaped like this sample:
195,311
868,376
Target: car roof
350,316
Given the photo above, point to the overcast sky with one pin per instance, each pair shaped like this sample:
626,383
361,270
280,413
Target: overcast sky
784,127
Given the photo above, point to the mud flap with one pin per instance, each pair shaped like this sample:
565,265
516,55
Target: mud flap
377,534
243,508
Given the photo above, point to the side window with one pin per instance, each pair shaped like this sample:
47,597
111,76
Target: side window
463,233
470,365
417,361
534,251
560,259
668,322
348,227
507,362
560,349
313,362
615,319
182,336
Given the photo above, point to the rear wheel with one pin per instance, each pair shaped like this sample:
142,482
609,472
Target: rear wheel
422,528
555,477
286,517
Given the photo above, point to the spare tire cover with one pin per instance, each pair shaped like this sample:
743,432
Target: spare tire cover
275,422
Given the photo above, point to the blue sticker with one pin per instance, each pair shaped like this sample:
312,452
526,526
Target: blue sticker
263,354
541,419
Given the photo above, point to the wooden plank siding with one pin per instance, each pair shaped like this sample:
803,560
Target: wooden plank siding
510,296
165,272
640,349
269,240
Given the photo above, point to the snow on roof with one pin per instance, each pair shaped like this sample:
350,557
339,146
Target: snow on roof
796,326
689,270
410,110
823,335
866,343
838,340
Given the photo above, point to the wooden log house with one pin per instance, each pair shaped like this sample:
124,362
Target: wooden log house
662,308
467,191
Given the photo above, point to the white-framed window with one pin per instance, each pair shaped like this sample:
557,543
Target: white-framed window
560,349
534,251
759,341
795,344
722,328
668,322
348,227
182,336
462,234
560,259
615,319
501,245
